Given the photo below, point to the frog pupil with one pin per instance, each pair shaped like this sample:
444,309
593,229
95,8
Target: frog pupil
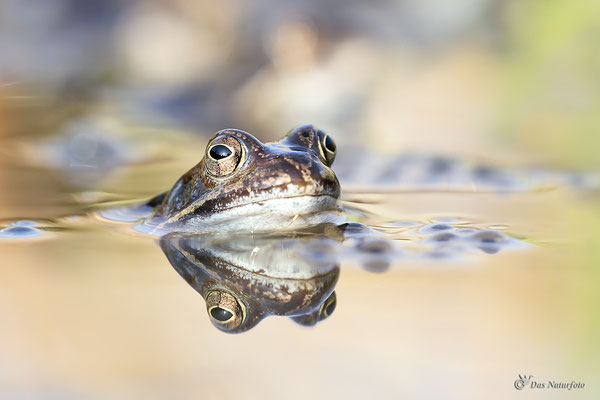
329,144
221,314
219,152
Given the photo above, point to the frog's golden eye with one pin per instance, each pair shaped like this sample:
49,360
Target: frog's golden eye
328,307
223,156
225,310
327,146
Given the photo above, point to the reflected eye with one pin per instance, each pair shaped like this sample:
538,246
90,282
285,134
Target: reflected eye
328,307
219,152
327,146
223,156
225,311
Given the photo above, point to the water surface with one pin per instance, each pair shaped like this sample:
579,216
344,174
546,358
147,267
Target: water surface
473,283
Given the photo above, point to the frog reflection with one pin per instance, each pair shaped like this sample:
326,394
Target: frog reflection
245,279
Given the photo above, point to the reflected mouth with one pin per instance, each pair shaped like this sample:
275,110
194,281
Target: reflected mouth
286,274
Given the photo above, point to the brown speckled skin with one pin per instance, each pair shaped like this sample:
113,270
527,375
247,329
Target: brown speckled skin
296,161
205,271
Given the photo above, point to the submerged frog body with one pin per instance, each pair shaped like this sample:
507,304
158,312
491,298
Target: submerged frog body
243,184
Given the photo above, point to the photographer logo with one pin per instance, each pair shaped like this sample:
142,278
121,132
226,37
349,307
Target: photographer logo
527,381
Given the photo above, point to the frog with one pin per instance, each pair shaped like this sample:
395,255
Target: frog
242,184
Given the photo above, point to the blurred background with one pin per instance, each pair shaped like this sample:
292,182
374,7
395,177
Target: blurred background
111,101
393,75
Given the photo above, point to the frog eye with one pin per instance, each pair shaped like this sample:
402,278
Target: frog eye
323,312
328,307
327,146
223,156
224,310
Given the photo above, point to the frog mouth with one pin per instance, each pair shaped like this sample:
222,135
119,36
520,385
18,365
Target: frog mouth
279,200
259,214
285,206
298,204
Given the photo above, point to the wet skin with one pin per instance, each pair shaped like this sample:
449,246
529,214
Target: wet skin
242,184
